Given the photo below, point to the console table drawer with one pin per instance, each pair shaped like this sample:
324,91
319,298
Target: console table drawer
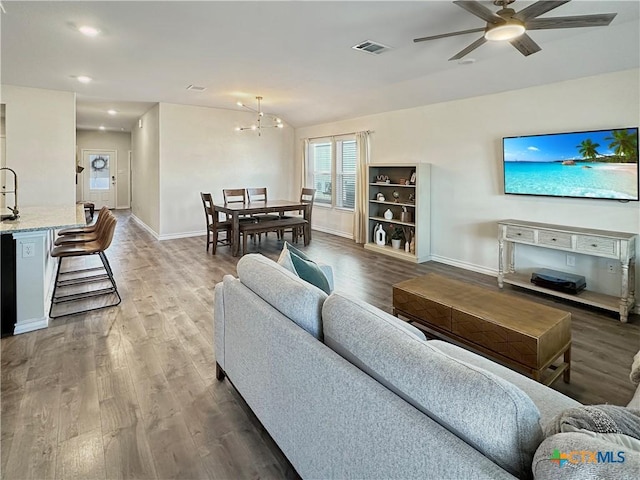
554,239
519,233
606,246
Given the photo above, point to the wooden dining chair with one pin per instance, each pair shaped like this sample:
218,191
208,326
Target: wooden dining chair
307,195
260,195
234,195
214,224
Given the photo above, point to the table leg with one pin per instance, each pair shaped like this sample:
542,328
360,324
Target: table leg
235,231
624,298
566,375
307,227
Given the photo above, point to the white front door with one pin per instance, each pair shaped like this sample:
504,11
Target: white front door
100,177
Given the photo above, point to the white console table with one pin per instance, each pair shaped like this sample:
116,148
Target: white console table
598,243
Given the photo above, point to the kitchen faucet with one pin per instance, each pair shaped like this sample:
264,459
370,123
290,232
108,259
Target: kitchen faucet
14,210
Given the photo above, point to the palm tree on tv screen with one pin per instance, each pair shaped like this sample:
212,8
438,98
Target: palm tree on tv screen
588,149
624,144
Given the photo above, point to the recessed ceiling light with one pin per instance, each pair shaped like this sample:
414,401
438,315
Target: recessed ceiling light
88,31
112,112
83,79
101,127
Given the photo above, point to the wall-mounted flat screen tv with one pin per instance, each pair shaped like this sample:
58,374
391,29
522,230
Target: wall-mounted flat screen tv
600,164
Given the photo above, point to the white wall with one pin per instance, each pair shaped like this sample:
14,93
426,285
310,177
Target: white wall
201,152
118,141
41,144
462,140
145,170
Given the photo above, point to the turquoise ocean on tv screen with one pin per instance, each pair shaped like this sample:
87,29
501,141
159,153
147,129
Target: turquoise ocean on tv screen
584,179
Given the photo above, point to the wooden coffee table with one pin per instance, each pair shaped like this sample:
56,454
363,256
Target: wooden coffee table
523,335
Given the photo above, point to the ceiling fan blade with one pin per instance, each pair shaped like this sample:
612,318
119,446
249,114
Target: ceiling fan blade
452,34
538,8
597,20
479,10
525,44
469,49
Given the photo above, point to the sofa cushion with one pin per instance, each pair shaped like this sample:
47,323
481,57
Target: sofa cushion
297,262
285,291
489,413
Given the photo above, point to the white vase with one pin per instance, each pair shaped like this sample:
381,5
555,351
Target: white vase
388,215
396,242
380,235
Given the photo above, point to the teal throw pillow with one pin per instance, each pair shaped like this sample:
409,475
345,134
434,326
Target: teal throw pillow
293,249
309,271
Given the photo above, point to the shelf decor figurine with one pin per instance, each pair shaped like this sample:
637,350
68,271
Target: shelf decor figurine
380,197
388,214
380,235
396,196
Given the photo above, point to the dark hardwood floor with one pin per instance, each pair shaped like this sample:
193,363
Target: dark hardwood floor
130,391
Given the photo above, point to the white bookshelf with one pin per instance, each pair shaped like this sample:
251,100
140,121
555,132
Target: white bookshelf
415,197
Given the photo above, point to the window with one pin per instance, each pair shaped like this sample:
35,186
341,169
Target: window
332,171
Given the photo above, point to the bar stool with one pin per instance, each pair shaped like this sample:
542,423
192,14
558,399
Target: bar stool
87,235
80,249
89,228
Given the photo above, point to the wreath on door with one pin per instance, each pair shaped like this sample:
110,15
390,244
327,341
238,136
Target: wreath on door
98,163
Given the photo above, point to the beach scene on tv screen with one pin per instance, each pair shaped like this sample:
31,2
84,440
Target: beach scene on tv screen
598,164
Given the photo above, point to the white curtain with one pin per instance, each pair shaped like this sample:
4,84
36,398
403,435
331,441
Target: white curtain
360,211
305,162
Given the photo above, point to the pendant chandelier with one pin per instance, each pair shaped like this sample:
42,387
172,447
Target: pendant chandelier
263,120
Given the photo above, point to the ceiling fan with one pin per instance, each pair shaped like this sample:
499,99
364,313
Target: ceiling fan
507,25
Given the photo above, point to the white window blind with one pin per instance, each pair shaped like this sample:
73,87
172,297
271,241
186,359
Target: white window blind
332,163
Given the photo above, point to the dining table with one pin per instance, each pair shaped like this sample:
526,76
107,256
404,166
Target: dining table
237,210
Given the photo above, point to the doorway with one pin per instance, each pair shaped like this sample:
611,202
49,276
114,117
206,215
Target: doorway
100,167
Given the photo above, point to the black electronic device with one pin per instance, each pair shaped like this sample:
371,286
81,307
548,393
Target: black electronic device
560,281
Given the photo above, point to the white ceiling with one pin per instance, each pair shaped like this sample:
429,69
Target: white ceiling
297,55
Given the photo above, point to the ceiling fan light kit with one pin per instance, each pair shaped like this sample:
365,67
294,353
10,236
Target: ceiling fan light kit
506,31
508,25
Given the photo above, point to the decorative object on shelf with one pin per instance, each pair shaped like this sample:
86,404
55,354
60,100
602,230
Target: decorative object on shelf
413,178
98,163
388,214
382,179
412,197
380,197
380,235
402,181
405,216
406,246
406,182
396,196
258,126
396,237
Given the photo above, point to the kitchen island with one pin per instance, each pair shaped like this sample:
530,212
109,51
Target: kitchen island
26,268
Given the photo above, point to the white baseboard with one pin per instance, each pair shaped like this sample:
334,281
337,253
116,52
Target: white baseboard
31,325
173,236
465,265
333,232
145,226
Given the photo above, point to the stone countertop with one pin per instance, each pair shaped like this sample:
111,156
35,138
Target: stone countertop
45,218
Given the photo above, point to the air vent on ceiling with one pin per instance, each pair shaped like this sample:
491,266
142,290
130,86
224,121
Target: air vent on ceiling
372,47
195,88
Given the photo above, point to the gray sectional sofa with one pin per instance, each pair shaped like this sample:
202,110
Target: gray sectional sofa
349,391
